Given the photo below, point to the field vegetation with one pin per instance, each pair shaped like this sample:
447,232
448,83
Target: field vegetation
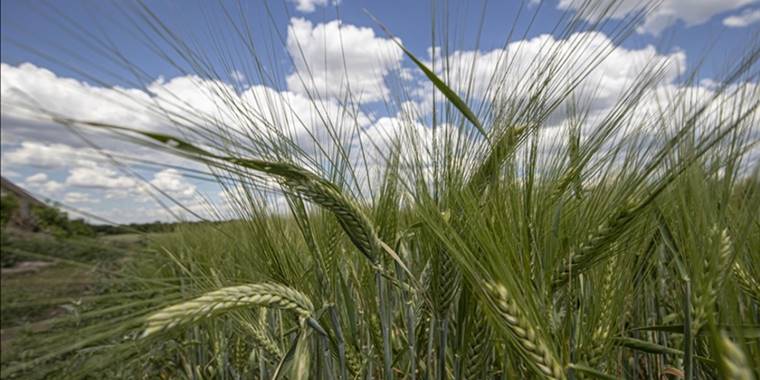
483,245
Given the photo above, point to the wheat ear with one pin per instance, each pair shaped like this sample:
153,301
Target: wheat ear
588,251
735,364
263,341
479,349
324,193
528,340
716,266
226,299
603,327
749,285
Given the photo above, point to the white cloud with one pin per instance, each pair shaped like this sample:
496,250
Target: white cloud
237,75
173,183
40,182
187,100
102,178
51,187
37,178
308,6
368,60
78,197
265,111
330,57
512,71
26,87
37,154
668,12
746,18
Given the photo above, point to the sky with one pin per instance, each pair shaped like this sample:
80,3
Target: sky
96,61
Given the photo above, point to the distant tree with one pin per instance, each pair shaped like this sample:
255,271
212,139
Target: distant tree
57,223
8,206
51,220
78,227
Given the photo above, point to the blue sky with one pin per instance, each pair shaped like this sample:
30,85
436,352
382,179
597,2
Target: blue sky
32,24
46,58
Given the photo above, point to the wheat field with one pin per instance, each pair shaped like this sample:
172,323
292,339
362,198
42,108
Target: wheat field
485,245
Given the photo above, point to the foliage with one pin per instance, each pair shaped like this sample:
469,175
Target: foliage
57,223
8,205
79,249
151,227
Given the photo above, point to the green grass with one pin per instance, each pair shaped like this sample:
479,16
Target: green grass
69,277
20,245
26,296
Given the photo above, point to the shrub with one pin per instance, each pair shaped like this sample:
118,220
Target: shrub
8,206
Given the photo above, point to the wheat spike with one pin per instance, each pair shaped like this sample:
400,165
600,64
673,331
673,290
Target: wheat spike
354,363
226,299
499,152
749,285
479,350
445,282
264,342
239,355
356,225
532,345
716,266
601,332
735,364
587,251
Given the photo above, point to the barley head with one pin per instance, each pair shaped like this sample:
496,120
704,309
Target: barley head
226,299
527,338
734,361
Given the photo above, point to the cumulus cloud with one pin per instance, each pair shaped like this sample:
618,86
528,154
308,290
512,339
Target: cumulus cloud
51,187
39,154
184,100
75,197
101,178
40,183
172,182
511,71
746,18
329,57
263,111
37,178
308,6
26,89
667,13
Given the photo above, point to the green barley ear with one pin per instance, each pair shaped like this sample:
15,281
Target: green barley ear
749,285
527,339
489,169
603,325
478,349
733,360
316,189
592,248
263,341
716,268
226,299
357,226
